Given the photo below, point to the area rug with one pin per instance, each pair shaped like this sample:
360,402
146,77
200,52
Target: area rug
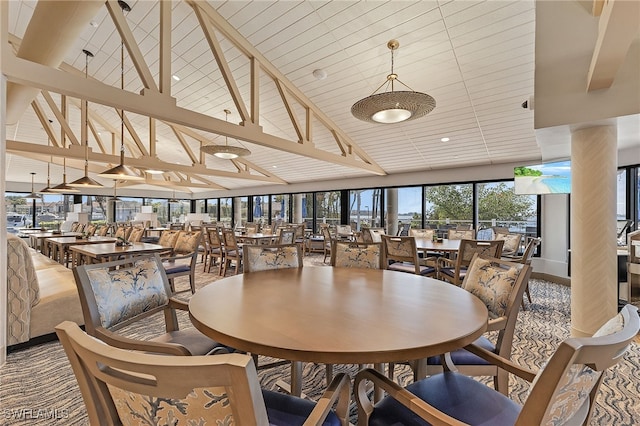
37,386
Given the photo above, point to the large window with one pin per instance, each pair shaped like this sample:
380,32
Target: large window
126,209
364,208
328,207
261,209
96,207
447,206
409,208
225,210
212,209
280,208
161,208
201,206
244,210
498,205
179,210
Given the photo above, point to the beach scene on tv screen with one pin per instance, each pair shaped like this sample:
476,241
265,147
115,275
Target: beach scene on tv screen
548,178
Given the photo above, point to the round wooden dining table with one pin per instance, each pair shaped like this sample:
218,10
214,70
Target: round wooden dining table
338,315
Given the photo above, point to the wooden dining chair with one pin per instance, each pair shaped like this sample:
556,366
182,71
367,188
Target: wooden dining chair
461,234
349,254
328,240
263,257
214,251
500,285
454,270
526,257
512,243
136,234
401,254
562,392
116,294
183,258
121,387
232,251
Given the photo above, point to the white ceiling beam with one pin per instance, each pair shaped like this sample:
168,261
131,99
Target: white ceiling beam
44,121
26,149
165,47
618,26
129,41
161,107
133,133
60,115
223,65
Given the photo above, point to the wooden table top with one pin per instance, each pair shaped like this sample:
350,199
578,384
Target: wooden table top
255,237
444,245
110,249
95,239
50,234
338,315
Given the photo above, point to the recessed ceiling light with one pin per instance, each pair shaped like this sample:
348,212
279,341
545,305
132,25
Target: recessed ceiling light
175,77
444,140
154,172
275,167
320,74
94,24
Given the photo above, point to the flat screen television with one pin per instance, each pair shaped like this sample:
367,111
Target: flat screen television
547,178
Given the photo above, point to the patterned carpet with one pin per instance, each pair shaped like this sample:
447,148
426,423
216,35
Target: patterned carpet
37,386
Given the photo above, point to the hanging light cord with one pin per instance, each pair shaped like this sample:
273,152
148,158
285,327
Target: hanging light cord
392,77
122,110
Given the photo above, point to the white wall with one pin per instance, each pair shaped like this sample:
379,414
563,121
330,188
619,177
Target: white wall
554,218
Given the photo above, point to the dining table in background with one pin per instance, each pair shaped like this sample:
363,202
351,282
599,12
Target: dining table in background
338,316
97,253
35,239
256,238
444,246
57,248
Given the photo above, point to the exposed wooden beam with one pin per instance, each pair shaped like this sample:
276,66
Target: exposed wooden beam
165,47
132,46
185,146
133,133
292,114
77,152
61,116
618,26
44,121
223,65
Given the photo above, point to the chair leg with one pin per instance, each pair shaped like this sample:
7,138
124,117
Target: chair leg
329,373
173,287
192,282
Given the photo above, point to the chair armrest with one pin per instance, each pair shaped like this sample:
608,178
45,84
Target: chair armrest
180,257
501,362
339,390
496,324
121,342
403,396
178,304
443,260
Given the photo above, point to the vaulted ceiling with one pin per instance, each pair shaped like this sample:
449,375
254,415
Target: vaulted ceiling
257,59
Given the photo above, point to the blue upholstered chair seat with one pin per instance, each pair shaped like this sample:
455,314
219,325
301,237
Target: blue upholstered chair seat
454,394
410,268
451,272
287,410
177,268
464,357
193,340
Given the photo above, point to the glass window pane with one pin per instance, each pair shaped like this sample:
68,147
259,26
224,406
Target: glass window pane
364,208
280,208
409,208
261,209
201,206
212,209
621,206
499,205
328,207
179,210
225,210
244,210
126,209
447,206
161,208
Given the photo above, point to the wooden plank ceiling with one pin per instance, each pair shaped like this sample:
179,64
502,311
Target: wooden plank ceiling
476,58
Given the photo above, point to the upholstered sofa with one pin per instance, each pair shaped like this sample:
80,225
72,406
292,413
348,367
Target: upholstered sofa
41,293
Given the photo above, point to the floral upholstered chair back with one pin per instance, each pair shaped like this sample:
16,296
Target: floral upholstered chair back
468,248
511,242
122,295
168,238
102,230
400,248
134,388
136,234
422,233
91,229
187,242
266,257
346,254
460,234
287,236
572,376
123,232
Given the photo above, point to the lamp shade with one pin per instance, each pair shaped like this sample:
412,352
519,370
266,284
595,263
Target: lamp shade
227,152
393,106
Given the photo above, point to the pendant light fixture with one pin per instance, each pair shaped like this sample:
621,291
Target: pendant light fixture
121,171
33,195
393,106
226,151
115,198
63,187
86,181
47,189
173,199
